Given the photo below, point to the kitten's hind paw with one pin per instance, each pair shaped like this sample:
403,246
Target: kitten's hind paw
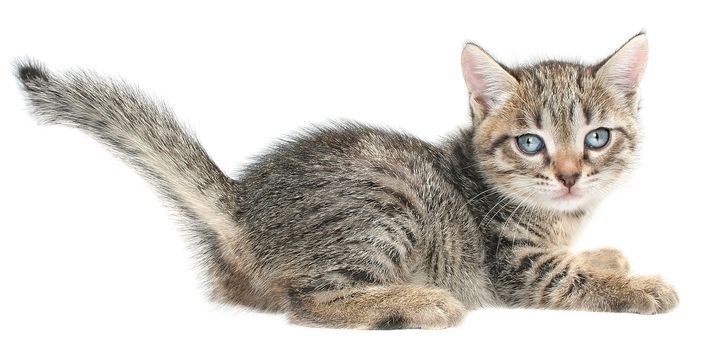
379,307
433,309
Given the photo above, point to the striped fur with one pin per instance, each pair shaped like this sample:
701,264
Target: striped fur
360,227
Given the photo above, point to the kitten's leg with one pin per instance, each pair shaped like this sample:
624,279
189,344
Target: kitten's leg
377,307
558,280
608,259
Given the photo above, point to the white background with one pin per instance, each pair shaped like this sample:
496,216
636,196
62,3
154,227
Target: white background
90,259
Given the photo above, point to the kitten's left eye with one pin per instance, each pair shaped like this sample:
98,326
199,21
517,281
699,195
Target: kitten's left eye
597,138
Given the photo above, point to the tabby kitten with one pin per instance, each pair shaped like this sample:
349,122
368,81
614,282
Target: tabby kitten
356,226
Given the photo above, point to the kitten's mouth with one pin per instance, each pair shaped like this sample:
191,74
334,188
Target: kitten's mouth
567,196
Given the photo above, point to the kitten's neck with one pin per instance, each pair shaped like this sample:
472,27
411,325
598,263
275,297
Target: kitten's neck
465,172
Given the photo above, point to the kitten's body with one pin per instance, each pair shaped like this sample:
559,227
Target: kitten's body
353,189
354,226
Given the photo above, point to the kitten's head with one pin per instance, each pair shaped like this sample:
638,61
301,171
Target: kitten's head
555,134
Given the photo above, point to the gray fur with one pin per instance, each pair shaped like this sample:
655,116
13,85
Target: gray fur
355,226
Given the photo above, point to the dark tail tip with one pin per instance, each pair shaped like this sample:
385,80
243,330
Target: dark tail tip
29,71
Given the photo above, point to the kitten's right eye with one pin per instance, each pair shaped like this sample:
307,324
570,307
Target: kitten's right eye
530,143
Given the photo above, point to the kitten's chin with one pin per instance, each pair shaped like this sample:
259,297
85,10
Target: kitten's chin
568,202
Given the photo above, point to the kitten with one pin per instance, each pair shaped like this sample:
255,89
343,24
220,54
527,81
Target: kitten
360,227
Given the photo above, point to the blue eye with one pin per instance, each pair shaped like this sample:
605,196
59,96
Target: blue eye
530,143
597,138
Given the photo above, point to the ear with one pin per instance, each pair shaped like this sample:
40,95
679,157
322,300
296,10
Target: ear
489,84
624,69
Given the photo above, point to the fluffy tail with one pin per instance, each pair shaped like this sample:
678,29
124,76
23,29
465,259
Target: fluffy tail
145,134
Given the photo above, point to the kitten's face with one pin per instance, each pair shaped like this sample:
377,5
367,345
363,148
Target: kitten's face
557,135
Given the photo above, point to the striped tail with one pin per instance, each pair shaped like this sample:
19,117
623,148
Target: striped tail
145,134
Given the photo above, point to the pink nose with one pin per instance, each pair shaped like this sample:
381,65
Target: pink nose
568,179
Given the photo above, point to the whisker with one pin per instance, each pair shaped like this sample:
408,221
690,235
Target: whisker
502,229
507,200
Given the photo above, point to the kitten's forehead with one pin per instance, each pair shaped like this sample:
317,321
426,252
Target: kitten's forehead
558,97
556,89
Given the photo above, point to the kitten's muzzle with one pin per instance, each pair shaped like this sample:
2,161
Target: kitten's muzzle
568,179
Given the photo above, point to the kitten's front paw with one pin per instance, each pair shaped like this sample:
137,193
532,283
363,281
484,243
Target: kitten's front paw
608,259
652,295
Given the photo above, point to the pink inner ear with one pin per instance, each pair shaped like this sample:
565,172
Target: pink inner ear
626,67
477,86
629,75
485,79
471,69
639,63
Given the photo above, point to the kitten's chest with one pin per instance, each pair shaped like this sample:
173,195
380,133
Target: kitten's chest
564,229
